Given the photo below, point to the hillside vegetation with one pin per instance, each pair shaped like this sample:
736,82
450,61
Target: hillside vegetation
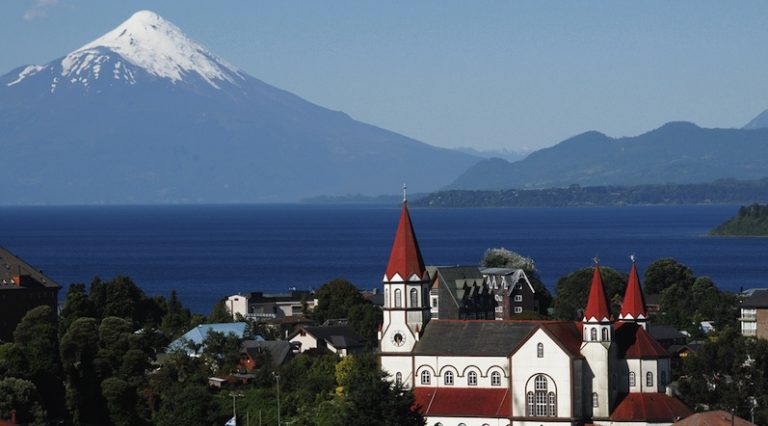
750,220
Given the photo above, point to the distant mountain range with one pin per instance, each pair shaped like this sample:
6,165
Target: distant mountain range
678,152
143,114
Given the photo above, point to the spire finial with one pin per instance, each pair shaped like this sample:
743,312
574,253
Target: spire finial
405,193
632,257
596,260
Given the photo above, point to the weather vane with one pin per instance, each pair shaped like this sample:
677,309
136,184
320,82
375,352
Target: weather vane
405,189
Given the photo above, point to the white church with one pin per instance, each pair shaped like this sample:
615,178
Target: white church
512,373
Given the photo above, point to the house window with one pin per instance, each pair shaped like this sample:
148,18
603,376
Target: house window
414,298
472,378
632,379
518,309
593,334
649,379
434,302
605,335
399,378
518,298
426,378
495,378
398,298
540,350
449,378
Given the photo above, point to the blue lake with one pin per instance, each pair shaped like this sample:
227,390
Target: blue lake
209,252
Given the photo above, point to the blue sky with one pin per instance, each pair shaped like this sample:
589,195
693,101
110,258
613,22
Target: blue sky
491,74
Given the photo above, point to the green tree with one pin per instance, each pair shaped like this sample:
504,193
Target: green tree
21,395
77,305
685,305
572,291
222,350
121,401
220,313
79,348
335,299
365,319
663,273
176,320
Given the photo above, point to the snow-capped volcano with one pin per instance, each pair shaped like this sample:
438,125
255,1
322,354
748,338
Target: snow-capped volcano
144,114
144,44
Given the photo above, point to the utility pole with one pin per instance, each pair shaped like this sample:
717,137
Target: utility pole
277,377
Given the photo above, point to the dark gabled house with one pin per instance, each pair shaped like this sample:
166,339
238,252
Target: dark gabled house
339,339
22,287
460,292
251,351
514,292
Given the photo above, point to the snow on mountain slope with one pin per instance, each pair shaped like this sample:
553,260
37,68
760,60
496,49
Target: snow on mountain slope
147,41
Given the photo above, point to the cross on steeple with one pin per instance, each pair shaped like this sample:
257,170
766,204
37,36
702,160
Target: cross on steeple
405,193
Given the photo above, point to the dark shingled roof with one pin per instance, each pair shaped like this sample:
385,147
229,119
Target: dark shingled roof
278,349
340,336
758,299
664,332
455,278
11,266
478,338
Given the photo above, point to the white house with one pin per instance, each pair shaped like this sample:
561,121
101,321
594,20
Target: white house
503,373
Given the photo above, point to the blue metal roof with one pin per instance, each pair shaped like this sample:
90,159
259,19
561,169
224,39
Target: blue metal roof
199,333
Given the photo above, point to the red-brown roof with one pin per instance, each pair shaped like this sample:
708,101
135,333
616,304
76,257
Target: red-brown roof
714,418
463,402
650,407
405,258
568,334
597,305
634,302
634,342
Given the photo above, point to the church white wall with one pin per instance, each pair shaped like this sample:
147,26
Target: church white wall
398,364
461,366
597,377
555,364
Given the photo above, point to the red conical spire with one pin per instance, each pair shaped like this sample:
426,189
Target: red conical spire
405,259
598,308
633,307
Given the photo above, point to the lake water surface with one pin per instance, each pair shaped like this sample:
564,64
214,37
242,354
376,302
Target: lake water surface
208,252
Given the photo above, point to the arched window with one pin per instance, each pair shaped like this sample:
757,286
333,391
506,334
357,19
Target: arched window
495,378
449,378
663,378
472,378
540,350
426,378
595,400
632,379
398,298
414,298
649,379
398,378
540,383
592,332
552,405
541,404
605,335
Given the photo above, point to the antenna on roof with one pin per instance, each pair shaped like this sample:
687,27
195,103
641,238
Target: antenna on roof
405,193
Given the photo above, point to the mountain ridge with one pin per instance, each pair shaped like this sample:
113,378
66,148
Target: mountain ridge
676,152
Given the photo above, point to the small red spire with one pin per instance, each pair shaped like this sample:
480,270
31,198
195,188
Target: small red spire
633,307
405,258
598,308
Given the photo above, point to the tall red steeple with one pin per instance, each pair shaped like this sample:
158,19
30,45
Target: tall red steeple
633,307
405,259
598,308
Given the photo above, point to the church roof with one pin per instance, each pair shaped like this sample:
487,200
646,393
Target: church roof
598,308
405,259
463,402
492,337
714,418
650,407
633,306
634,342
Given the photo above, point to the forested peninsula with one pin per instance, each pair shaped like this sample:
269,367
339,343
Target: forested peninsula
719,192
751,220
